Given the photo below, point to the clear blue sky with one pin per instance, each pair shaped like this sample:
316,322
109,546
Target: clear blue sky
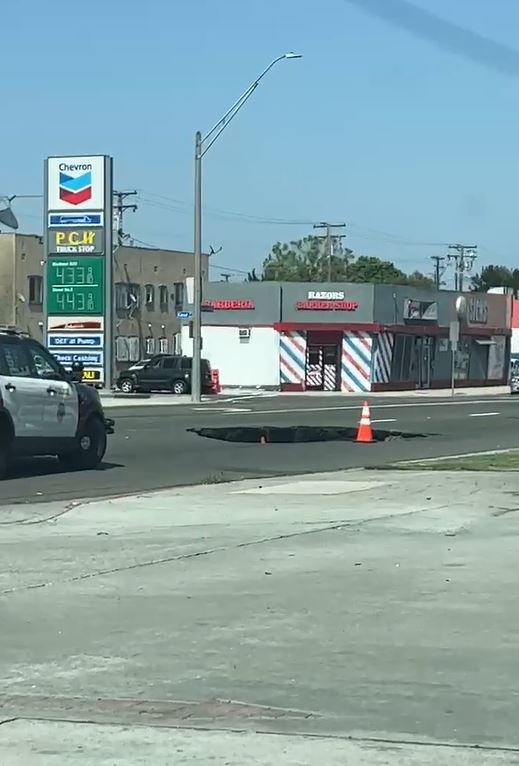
374,126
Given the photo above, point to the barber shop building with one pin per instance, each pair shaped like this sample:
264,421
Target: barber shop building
351,337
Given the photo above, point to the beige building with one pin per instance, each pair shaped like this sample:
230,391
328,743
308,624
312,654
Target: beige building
149,289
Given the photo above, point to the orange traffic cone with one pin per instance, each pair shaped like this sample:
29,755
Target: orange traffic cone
364,431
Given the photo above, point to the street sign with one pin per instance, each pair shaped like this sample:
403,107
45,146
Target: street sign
75,285
454,333
184,314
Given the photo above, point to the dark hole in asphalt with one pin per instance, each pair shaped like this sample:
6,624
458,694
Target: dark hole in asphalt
294,434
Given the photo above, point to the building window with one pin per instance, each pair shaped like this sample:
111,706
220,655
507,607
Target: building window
163,346
179,296
127,348
163,297
149,296
35,289
150,346
177,343
134,349
122,351
127,296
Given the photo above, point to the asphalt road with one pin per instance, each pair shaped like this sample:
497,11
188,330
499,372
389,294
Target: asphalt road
152,447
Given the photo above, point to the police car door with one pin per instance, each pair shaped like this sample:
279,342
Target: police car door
61,410
21,393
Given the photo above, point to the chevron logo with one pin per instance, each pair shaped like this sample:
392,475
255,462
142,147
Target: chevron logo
75,189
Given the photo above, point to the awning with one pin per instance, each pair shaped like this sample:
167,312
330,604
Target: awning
485,342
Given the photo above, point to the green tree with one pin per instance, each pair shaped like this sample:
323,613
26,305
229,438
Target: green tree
417,279
306,260
369,269
495,276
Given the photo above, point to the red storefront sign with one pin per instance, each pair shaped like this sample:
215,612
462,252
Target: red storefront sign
326,305
229,305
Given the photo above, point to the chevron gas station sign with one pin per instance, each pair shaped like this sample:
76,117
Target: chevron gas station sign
78,261
76,183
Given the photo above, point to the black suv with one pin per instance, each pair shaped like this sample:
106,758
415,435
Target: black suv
165,373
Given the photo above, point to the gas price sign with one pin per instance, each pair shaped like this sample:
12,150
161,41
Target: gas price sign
75,286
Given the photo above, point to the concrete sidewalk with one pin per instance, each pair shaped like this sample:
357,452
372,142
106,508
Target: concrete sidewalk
373,605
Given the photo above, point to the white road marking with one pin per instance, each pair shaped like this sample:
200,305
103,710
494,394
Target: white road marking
482,414
385,420
375,406
227,410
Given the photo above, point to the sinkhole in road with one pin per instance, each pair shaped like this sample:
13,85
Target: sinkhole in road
296,434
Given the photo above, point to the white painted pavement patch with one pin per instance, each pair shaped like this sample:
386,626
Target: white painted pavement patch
385,420
55,743
483,414
312,488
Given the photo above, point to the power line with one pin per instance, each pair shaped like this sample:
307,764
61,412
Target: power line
185,208
211,265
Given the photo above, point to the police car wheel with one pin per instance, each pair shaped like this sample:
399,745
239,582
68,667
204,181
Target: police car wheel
5,443
126,386
90,450
179,387
4,459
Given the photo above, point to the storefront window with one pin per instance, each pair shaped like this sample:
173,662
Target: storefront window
462,361
403,355
413,360
314,355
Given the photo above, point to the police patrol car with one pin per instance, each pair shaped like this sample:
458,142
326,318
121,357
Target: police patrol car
44,410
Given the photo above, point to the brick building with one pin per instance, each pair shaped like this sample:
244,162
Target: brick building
148,292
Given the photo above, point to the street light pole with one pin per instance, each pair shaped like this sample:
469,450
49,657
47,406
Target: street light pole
202,145
196,382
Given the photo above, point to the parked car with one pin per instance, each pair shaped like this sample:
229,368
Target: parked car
143,362
45,410
165,373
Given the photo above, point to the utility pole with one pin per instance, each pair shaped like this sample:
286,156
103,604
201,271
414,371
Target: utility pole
118,236
120,208
463,257
329,241
438,269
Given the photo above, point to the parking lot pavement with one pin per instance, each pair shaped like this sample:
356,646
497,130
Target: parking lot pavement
364,604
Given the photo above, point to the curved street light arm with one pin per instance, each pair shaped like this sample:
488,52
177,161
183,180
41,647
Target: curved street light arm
231,114
235,108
